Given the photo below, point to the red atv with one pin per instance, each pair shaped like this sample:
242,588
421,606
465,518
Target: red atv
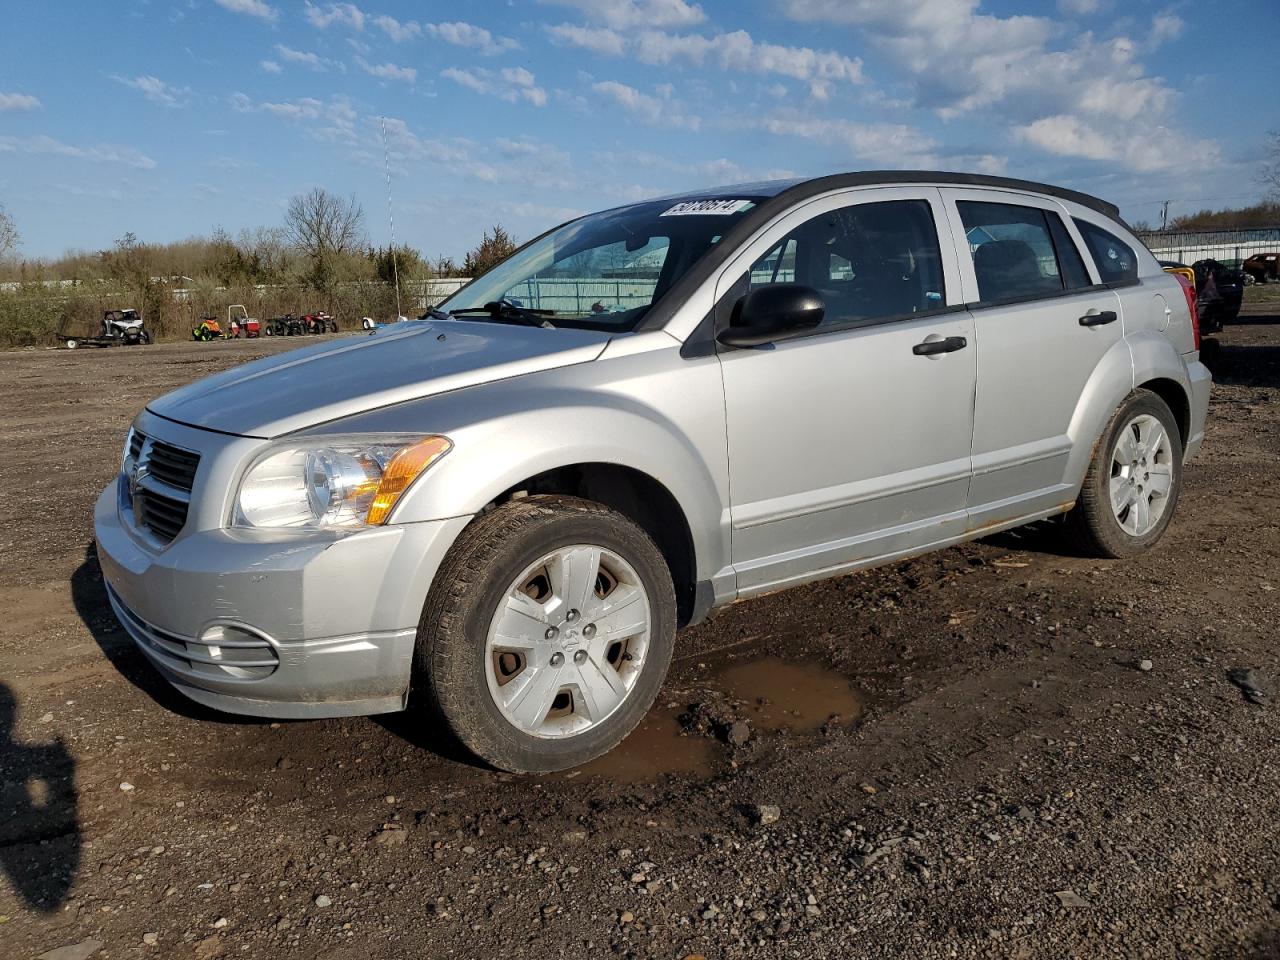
319,323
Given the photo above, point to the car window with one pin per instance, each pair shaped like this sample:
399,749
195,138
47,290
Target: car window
609,279
1069,260
869,261
1115,259
1012,249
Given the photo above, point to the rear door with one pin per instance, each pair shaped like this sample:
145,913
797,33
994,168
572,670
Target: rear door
850,443
1043,322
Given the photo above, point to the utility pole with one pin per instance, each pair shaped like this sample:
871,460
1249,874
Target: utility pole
1164,213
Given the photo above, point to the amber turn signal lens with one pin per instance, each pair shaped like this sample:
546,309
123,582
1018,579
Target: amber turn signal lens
402,471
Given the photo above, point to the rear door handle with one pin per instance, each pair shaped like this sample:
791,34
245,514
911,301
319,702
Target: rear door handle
1098,319
941,345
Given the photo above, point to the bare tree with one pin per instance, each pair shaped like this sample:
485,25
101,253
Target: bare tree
1270,175
324,227
9,238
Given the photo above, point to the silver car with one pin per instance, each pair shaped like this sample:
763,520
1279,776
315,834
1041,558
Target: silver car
502,514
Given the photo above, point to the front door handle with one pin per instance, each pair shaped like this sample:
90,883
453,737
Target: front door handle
1097,319
941,345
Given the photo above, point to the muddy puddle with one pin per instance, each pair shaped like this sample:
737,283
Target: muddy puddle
659,746
771,694
790,695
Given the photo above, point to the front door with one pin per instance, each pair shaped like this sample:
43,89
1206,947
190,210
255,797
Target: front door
1043,322
851,443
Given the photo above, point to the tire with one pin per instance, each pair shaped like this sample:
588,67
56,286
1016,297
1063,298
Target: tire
144,337
72,344
456,671
269,330
1094,525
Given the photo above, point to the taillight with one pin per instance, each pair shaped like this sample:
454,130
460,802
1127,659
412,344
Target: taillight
1189,291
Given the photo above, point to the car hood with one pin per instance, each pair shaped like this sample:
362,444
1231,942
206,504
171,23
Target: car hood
302,388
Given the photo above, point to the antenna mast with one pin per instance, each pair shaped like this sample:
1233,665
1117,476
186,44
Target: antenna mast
391,218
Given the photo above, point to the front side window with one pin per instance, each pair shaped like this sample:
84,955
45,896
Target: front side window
1115,259
1013,251
869,261
603,271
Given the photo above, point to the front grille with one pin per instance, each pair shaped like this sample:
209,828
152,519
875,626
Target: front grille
234,653
159,514
172,465
158,479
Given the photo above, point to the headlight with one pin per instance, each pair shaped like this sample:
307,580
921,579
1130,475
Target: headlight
333,481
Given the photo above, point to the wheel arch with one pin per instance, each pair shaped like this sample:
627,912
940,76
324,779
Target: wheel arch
1175,397
640,498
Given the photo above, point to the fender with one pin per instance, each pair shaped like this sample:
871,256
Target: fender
641,407
1149,355
1104,391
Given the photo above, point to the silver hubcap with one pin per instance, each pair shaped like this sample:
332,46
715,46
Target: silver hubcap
1141,475
568,642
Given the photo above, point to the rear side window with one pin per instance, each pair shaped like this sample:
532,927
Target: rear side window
1014,256
1115,259
870,261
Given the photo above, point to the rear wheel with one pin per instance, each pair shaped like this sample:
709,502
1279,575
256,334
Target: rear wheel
1132,486
549,635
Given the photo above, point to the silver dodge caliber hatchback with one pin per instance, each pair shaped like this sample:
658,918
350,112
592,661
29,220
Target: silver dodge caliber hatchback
504,513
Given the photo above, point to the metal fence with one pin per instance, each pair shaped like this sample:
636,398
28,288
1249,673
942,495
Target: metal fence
1228,246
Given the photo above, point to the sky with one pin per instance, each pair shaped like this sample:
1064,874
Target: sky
167,118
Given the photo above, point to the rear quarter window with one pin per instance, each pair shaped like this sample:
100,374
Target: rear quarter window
1116,261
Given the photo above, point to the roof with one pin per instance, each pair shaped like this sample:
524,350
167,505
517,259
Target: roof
874,178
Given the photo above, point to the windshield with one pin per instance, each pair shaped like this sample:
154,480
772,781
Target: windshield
603,271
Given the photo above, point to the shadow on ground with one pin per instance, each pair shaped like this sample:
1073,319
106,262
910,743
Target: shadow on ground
39,828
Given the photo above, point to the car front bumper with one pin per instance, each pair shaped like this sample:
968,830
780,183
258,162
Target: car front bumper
289,626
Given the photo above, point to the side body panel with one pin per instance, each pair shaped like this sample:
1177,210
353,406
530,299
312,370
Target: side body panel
844,445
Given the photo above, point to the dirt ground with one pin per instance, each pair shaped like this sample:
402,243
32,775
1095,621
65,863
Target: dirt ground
956,756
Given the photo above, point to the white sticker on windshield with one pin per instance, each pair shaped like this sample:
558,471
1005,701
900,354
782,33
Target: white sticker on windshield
722,208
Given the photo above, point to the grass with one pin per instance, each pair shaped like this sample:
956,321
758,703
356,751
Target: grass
1262,293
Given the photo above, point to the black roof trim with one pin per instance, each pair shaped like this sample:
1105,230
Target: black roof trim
782,194
800,188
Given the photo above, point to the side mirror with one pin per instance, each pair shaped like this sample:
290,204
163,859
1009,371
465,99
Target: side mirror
773,312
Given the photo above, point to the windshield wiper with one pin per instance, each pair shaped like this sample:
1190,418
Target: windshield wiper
505,311
434,314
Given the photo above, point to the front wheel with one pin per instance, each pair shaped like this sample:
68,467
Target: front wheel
1133,481
549,633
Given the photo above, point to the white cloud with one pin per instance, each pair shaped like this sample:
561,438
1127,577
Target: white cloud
99,153
333,119
252,8
468,35
596,39
397,31
1156,149
638,13
650,109
18,101
1073,95
344,14
388,71
736,51
891,144
303,57
511,84
1164,27
1079,8
155,90
270,66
